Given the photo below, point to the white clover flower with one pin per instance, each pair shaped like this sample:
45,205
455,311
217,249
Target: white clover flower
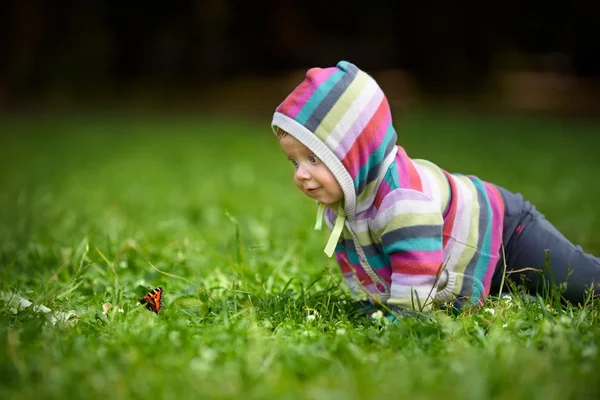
377,315
490,311
312,314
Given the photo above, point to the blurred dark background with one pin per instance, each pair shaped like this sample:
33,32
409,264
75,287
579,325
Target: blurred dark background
245,55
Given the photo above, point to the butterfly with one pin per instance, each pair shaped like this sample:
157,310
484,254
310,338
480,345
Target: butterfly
153,300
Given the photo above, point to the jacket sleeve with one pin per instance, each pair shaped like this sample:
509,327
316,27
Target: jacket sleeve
409,225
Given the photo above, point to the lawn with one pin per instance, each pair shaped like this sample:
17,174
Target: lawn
96,210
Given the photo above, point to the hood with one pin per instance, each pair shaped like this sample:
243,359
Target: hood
341,114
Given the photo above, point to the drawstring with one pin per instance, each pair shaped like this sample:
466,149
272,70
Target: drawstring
337,228
320,212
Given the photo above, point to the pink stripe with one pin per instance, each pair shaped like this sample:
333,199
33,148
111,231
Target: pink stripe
384,190
354,271
385,272
317,79
497,224
359,125
343,262
418,260
292,99
401,161
363,278
413,280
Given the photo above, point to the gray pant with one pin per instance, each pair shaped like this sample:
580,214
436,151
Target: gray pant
526,236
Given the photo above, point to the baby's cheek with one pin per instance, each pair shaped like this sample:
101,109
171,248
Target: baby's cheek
297,183
333,184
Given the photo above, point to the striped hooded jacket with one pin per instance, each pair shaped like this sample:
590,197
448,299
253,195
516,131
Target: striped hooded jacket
409,234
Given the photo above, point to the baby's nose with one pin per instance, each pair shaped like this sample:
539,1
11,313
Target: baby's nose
302,173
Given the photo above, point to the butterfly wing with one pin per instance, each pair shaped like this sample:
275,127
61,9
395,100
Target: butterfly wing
153,300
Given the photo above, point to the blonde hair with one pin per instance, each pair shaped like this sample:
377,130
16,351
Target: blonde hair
280,133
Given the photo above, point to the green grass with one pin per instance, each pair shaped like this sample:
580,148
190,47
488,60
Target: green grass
93,208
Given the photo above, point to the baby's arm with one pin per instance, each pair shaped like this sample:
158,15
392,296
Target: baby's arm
409,225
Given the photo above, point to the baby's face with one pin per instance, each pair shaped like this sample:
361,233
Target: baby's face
311,175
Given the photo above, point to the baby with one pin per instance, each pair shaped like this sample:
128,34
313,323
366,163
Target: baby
406,233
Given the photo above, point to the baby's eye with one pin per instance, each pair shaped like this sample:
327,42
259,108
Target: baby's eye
313,159
294,162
